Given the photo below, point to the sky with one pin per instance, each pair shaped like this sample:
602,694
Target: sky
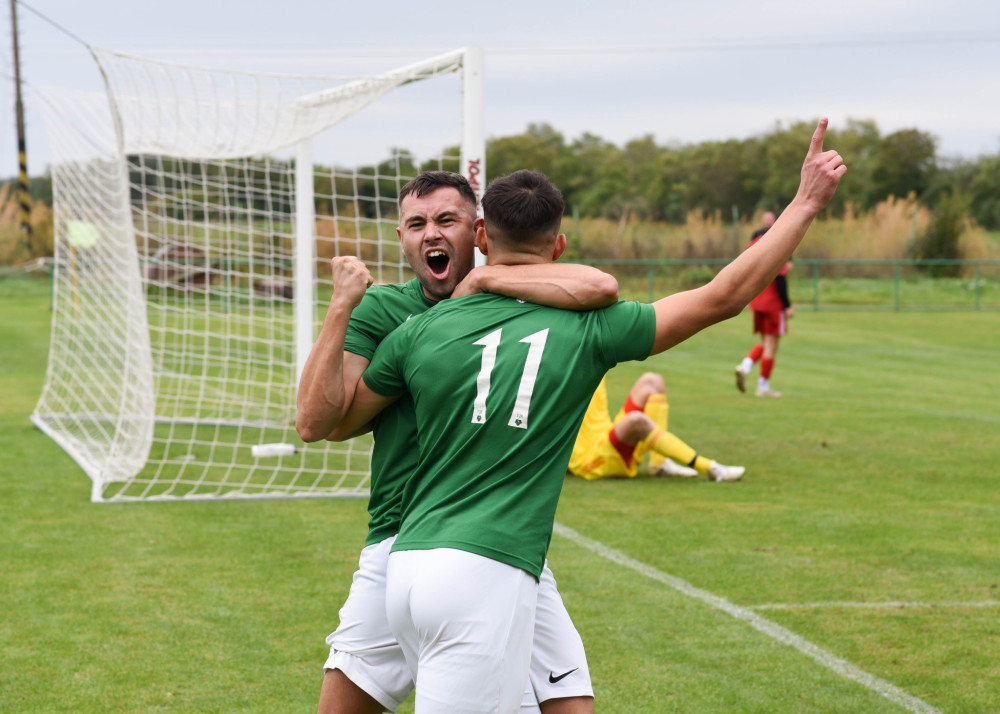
683,71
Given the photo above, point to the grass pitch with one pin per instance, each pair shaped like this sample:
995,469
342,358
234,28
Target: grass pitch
867,526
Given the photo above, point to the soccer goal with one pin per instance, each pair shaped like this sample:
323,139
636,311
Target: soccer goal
196,211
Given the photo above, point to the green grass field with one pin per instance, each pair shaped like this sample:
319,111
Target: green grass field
856,568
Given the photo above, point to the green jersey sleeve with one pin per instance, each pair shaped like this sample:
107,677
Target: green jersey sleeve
370,323
629,328
386,373
381,310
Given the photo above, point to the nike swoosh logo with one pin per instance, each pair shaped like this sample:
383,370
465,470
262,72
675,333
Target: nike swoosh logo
553,679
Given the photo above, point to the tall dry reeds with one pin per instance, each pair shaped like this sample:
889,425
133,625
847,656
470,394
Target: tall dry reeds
15,248
700,237
884,233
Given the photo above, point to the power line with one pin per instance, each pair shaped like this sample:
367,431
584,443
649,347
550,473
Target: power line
52,22
722,45
730,45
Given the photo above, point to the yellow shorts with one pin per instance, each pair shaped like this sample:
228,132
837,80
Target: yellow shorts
600,459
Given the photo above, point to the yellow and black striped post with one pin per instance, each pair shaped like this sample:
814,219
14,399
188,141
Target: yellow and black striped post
23,195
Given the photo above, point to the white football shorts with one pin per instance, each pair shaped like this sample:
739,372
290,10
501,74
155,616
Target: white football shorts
363,647
558,660
468,621
365,650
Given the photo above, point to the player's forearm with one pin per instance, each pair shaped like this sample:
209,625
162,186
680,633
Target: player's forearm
570,286
758,265
365,405
743,279
322,398
681,315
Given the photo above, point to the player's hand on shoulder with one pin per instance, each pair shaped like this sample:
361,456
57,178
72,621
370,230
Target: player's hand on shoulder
470,284
350,280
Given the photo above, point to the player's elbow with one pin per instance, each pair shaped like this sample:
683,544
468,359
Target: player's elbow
722,305
307,435
309,431
606,289
732,308
726,298
601,291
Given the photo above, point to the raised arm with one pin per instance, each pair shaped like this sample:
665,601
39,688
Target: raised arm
570,286
681,315
329,378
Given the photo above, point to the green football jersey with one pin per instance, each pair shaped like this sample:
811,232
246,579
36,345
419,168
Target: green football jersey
394,456
500,387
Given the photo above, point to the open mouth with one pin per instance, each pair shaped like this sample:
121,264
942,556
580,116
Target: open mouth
438,262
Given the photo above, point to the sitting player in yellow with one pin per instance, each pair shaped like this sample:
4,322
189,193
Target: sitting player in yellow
607,449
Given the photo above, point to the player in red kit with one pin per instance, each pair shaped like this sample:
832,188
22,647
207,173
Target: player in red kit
771,311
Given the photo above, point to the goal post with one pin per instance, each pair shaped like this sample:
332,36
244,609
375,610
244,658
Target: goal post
473,122
196,211
305,255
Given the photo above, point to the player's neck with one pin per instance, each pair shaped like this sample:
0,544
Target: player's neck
499,254
517,259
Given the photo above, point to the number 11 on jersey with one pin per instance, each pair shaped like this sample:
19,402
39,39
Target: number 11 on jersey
522,402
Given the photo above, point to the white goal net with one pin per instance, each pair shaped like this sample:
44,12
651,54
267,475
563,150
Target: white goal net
196,211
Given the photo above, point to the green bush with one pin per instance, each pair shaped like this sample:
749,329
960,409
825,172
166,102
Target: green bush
940,241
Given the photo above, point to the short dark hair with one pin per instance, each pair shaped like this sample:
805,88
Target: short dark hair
522,206
429,181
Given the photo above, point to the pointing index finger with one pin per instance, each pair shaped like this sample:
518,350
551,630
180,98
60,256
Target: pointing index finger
816,143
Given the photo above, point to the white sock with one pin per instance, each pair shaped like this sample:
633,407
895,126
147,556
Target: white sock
763,383
746,365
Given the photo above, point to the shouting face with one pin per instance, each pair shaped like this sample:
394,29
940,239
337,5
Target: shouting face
437,234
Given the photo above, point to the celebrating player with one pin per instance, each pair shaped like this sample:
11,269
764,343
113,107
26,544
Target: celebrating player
499,389
366,671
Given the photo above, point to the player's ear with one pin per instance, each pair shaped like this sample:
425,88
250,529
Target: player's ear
560,246
480,226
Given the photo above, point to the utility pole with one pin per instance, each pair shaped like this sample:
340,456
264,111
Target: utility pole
23,195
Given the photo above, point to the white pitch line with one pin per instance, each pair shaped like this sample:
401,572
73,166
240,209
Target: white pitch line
771,629
873,605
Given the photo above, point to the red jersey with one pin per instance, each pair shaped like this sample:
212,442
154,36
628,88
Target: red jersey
770,299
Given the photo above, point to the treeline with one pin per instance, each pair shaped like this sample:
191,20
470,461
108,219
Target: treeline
641,180
666,183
